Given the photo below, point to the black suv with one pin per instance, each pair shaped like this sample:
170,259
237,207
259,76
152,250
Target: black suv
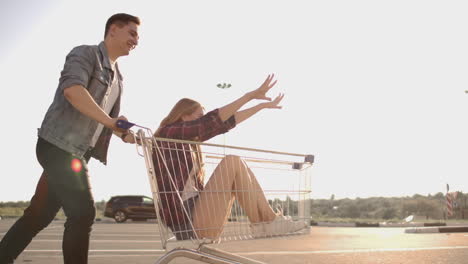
135,207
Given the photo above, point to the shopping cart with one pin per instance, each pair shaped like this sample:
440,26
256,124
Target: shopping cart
284,179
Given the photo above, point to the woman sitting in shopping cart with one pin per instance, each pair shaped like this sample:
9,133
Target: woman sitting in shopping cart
191,209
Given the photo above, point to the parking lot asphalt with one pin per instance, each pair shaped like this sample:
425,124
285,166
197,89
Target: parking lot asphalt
139,243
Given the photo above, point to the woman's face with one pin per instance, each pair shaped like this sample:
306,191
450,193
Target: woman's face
195,115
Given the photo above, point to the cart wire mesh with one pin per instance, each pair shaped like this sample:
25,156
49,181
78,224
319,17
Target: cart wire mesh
209,193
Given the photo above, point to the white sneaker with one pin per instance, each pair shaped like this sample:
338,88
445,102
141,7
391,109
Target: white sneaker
281,225
258,230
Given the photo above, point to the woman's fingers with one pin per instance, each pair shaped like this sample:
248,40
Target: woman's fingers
268,79
260,93
273,84
278,99
275,102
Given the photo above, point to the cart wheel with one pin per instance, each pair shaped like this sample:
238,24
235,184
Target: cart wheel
120,217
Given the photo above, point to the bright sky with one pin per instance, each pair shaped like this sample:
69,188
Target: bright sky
374,89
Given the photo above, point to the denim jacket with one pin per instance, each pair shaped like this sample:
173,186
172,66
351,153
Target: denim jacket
63,125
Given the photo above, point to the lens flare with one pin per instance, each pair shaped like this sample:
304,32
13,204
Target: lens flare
76,165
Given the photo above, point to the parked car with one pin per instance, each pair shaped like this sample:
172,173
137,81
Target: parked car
134,207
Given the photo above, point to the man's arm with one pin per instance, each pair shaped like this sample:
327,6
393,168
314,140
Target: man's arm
80,98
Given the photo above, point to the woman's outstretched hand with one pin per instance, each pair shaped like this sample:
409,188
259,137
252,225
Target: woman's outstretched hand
260,93
227,111
275,103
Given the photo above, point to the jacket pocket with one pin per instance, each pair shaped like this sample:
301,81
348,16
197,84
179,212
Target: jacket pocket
98,84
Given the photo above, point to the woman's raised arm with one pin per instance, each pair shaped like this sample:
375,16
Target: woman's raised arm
227,111
245,114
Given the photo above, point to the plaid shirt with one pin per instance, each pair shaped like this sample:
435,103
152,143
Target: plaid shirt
178,158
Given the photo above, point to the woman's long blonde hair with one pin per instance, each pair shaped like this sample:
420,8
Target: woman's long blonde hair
185,106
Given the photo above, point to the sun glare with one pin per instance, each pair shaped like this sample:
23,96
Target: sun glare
76,165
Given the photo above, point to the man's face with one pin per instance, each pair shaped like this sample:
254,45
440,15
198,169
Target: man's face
126,37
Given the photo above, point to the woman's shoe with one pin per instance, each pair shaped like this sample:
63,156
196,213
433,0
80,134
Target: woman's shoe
281,225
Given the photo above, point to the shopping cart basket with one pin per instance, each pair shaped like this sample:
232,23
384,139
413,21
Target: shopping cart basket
284,179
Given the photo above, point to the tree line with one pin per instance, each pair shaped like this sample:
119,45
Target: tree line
387,208
430,207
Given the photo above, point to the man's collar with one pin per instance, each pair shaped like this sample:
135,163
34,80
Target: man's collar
106,61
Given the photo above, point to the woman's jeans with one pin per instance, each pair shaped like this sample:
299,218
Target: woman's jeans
63,184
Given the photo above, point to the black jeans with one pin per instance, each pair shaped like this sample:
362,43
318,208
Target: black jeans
185,231
63,184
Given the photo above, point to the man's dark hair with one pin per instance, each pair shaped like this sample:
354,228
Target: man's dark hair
120,19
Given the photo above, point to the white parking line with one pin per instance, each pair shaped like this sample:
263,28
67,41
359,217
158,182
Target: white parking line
54,227
103,241
348,251
99,250
104,255
94,235
268,252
